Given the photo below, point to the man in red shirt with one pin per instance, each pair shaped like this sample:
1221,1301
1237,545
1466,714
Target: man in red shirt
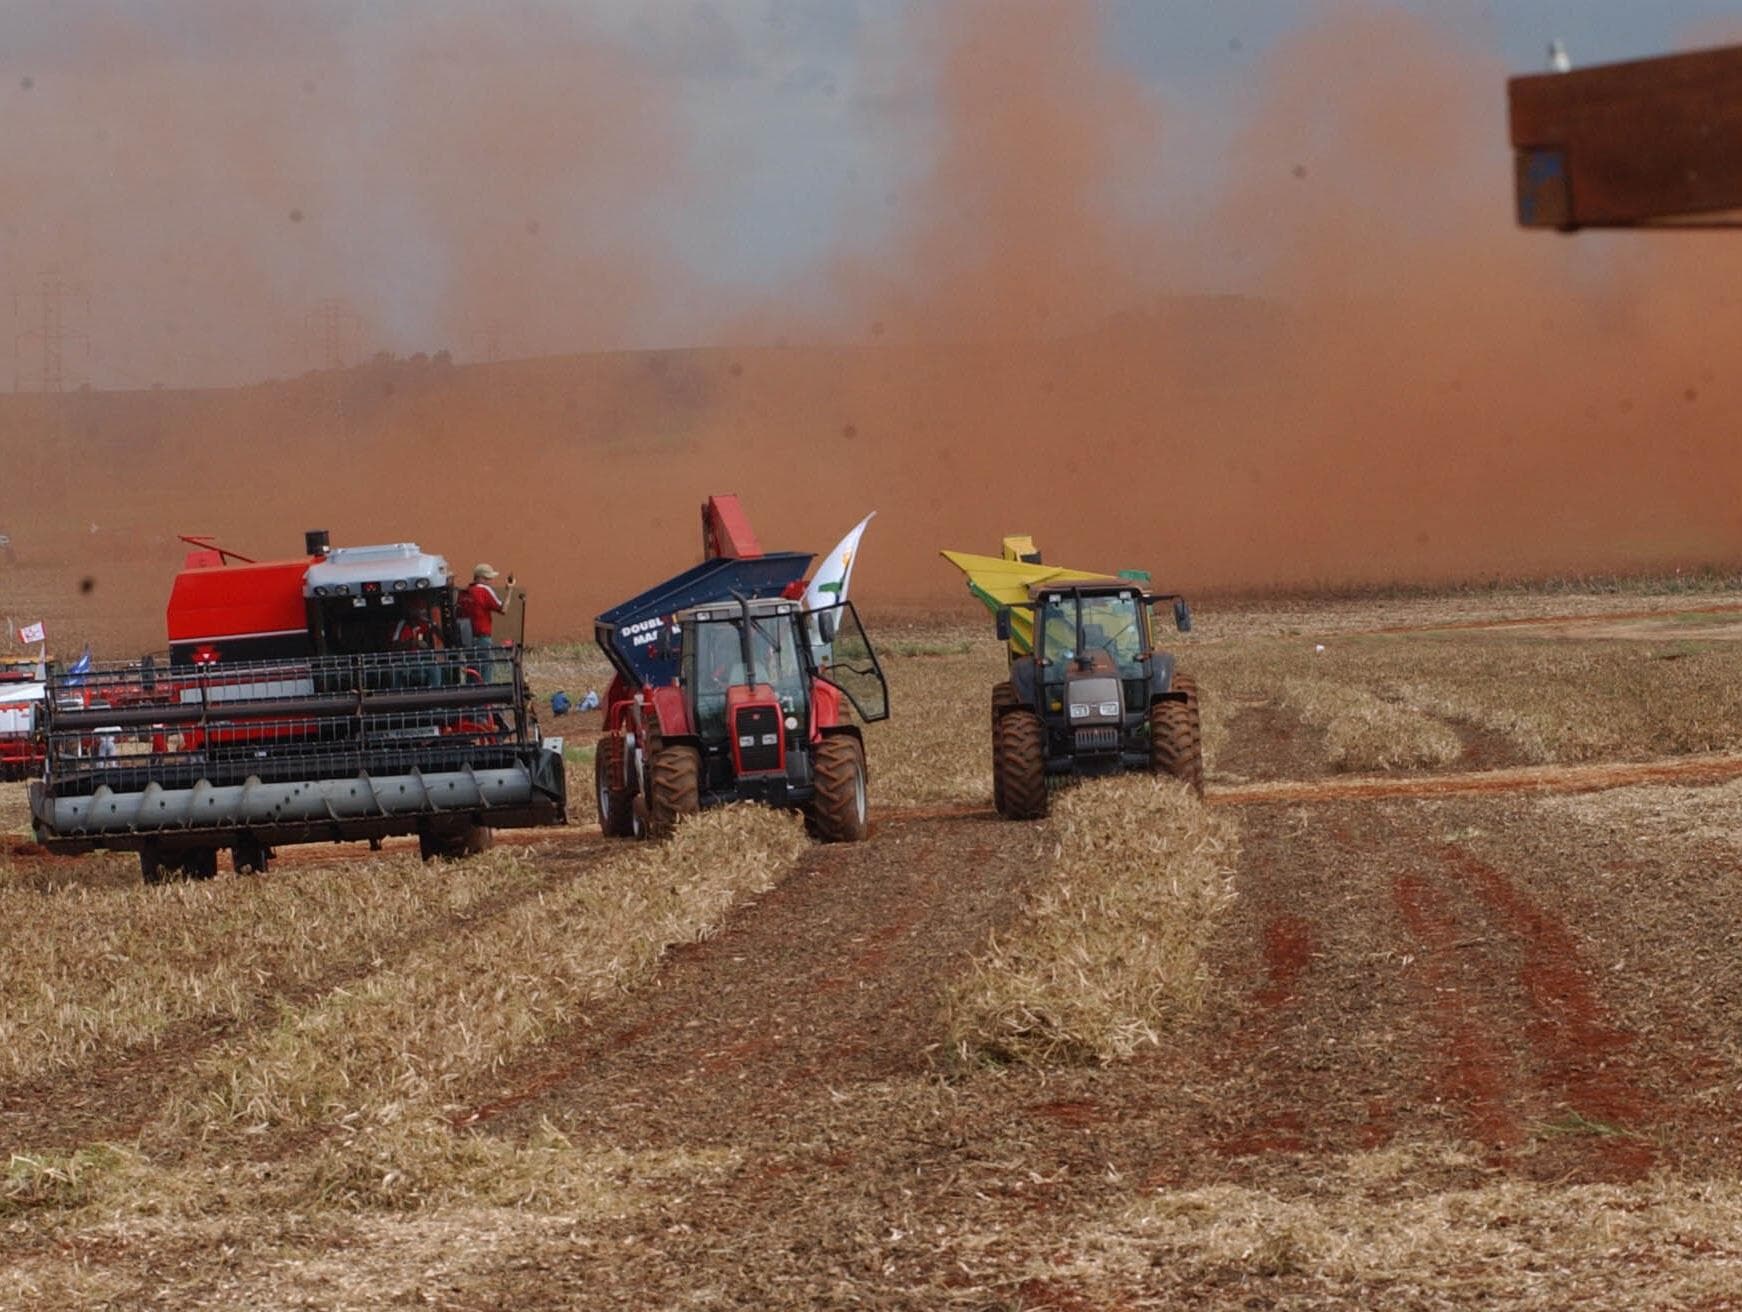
477,607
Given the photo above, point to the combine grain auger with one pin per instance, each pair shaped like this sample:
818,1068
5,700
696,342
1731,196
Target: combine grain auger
295,709
729,687
1088,693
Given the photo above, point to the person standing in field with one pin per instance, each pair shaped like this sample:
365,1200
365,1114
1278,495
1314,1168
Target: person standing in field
477,608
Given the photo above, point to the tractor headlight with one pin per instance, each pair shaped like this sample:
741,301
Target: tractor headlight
399,585
1109,708
1081,710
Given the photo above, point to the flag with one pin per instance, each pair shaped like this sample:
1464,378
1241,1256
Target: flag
76,672
32,633
829,587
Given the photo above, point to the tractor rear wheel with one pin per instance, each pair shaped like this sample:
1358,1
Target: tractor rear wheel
1176,742
1183,682
674,779
838,812
1003,699
616,804
1019,762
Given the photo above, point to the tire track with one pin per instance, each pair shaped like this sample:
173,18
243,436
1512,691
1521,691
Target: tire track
833,976
1708,768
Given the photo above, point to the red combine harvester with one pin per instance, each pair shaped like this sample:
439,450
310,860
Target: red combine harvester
729,688
326,698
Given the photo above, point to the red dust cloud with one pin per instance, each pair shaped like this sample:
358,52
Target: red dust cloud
1404,387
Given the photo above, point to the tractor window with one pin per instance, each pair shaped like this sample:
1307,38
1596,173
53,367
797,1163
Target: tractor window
843,655
1111,622
777,661
714,664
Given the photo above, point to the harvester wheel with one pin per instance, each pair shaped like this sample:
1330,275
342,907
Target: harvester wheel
674,779
616,805
1175,742
249,857
199,862
451,844
838,812
1019,763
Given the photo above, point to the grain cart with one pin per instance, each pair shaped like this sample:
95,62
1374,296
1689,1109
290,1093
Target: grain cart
729,688
319,699
1088,693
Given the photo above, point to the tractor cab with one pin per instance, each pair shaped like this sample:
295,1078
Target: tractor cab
376,599
1094,649
762,678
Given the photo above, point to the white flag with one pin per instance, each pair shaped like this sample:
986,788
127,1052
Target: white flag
829,587
32,633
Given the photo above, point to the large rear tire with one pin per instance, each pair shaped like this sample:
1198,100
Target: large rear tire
1019,757
1176,742
616,804
1003,699
839,811
673,789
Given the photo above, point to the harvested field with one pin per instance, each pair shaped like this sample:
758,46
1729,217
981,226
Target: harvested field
1443,1016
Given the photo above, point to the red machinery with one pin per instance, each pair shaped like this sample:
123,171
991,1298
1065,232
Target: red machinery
21,692
324,698
728,688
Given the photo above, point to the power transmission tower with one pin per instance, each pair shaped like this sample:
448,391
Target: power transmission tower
333,328
48,335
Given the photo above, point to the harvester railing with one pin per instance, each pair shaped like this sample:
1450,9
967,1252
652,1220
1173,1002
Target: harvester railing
125,727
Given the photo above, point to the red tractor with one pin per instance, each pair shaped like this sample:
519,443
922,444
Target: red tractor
325,698
729,688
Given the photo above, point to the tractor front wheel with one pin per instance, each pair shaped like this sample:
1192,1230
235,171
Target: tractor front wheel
616,803
1176,742
1019,765
838,812
674,780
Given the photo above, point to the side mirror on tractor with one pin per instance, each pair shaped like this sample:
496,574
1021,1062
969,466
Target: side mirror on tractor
1003,624
1182,615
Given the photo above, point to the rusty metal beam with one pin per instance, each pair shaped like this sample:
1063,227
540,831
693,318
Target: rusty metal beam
1651,141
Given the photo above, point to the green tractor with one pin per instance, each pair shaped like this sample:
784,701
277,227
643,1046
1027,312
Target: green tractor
1088,693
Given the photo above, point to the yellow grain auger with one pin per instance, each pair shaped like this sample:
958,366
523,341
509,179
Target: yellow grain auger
1087,693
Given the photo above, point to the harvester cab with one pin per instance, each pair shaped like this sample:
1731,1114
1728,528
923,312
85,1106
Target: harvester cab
729,687
324,698
1089,691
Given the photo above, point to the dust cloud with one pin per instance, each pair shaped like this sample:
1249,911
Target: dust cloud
1397,386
